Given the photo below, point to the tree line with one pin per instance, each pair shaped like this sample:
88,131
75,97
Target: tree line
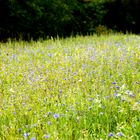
36,18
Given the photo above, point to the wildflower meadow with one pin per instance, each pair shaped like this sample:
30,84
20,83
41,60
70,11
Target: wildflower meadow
78,88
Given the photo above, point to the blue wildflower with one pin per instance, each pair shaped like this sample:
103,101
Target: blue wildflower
130,94
56,116
26,134
49,113
50,55
63,104
111,134
49,123
120,134
33,138
117,95
117,87
60,91
114,83
47,136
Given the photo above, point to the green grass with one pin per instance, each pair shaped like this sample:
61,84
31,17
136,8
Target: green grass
83,88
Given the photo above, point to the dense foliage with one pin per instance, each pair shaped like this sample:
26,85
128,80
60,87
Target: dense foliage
35,18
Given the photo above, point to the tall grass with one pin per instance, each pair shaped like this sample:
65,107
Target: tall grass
82,88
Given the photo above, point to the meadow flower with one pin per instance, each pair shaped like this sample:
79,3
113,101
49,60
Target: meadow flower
72,107
114,83
49,113
111,134
130,93
49,122
33,138
49,54
84,66
26,134
60,91
62,104
13,56
117,95
120,74
117,87
120,134
56,116
47,136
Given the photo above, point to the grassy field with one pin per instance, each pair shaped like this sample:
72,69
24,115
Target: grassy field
83,88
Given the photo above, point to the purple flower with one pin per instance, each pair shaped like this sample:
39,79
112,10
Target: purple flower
114,83
130,94
60,91
50,55
49,123
111,134
56,116
33,138
117,95
13,56
47,136
120,134
117,87
49,113
26,134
